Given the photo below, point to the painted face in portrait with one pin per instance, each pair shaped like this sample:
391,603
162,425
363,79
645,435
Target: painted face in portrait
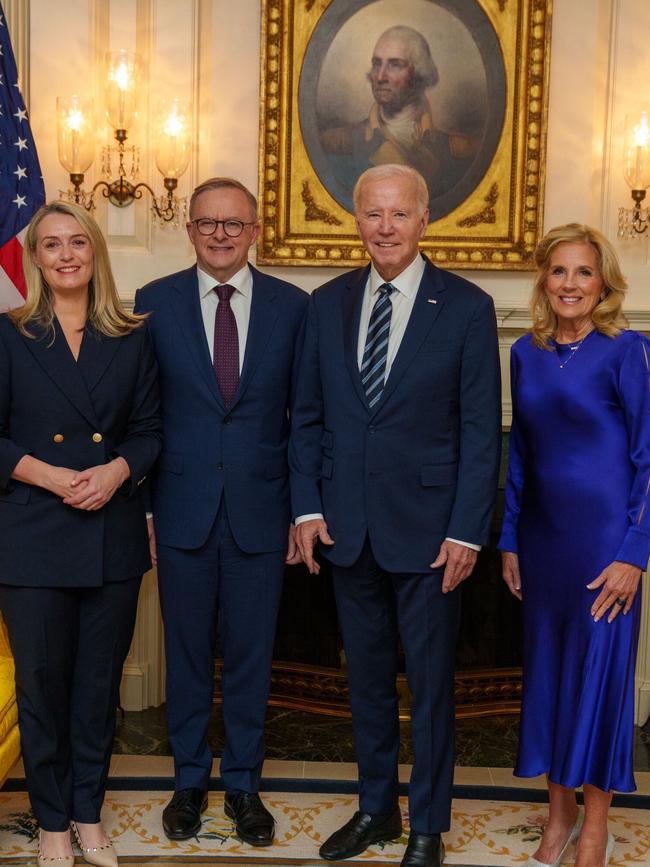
63,253
391,75
390,222
574,284
220,254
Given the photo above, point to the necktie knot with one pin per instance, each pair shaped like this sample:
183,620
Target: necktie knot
224,291
386,289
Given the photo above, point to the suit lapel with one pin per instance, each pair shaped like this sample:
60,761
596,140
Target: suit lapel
263,316
352,304
187,313
59,365
96,354
426,309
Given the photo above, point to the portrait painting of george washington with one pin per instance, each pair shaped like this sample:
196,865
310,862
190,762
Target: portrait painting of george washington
422,84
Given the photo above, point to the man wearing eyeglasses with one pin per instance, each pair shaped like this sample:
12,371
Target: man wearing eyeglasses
228,342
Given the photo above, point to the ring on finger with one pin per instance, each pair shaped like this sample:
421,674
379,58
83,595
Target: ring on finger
620,601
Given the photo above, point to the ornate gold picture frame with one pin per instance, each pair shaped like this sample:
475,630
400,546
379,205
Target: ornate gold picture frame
475,125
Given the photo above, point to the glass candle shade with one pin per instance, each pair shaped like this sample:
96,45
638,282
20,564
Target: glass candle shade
636,161
122,83
173,142
75,133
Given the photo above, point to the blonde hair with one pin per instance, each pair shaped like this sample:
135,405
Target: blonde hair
105,311
392,170
607,316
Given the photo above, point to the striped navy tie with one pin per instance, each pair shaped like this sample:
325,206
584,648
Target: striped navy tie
373,364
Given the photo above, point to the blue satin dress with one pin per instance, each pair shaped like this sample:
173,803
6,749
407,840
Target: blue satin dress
577,498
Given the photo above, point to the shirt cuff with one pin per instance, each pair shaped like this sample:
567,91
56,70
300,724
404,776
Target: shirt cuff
466,544
303,518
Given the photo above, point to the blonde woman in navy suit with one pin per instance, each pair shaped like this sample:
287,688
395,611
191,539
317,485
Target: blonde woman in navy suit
79,429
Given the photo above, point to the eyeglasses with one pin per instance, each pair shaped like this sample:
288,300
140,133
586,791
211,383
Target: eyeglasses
232,228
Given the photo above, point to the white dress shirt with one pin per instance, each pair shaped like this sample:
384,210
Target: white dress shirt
240,304
403,298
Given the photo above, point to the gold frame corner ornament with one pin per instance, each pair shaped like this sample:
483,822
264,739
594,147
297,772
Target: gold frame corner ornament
491,219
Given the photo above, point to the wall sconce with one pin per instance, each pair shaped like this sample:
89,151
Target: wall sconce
633,222
171,133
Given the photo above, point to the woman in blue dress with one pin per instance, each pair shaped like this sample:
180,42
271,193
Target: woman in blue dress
576,535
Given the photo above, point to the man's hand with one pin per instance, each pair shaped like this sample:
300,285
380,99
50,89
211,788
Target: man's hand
621,582
510,569
95,486
293,554
153,551
459,560
306,535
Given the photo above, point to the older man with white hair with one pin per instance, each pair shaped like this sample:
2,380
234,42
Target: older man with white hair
394,455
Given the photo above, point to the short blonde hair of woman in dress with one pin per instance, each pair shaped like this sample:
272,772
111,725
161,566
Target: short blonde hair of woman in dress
607,316
105,311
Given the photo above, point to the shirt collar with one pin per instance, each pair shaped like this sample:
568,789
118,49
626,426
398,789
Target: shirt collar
242,281
407,282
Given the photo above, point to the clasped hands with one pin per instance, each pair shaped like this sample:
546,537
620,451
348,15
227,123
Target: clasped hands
92,488
458,560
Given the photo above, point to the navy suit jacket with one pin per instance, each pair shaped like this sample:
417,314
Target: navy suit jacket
422,464
76,415
209,451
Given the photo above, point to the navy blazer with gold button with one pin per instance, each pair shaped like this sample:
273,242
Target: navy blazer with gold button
75,414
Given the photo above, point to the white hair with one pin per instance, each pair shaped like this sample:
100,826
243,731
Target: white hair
418,53
392,170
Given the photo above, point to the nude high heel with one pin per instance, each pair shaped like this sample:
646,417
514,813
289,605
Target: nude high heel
44,861
573,836
99,856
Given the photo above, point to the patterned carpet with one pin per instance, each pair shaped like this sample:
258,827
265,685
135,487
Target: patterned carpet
484,832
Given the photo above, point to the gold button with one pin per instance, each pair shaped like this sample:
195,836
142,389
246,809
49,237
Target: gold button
58,438
97,437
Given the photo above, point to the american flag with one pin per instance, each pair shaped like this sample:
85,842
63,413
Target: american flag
21,184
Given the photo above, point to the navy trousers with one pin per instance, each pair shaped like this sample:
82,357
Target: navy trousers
218,586
374,607
69,646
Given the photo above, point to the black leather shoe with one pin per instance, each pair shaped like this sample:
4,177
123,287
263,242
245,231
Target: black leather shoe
181,817
423,851
357,834
253,822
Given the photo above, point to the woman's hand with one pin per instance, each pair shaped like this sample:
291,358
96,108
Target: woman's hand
58,480
620,582
94,487
510,564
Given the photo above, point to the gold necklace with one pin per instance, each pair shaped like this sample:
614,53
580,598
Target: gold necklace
574,348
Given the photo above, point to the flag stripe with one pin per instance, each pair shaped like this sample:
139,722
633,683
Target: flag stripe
11,259
21,184
9,295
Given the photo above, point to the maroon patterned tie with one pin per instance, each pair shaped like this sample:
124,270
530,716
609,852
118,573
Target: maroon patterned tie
226,344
